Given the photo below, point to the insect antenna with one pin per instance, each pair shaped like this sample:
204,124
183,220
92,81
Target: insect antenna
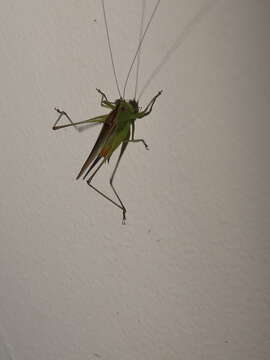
139,53
110,48
140,44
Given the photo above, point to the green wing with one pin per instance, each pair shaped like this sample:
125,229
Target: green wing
106,131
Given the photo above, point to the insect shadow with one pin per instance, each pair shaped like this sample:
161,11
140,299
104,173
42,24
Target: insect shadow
179,41
81,128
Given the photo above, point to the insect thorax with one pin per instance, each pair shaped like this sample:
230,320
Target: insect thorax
131,105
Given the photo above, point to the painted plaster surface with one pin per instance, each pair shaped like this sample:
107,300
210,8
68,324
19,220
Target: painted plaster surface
188,277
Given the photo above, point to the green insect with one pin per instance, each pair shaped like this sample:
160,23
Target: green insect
118,125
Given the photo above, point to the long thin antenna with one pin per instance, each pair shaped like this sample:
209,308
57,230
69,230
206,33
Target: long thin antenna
139,53
110,48
139,46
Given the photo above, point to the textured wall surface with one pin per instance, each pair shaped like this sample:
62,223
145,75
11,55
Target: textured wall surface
188,276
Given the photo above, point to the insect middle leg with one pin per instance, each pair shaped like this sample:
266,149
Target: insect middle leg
149,107
138,140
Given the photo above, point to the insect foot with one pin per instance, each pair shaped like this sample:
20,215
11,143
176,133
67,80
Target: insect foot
60,111
124,217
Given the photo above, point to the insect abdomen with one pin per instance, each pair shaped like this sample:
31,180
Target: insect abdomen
112,144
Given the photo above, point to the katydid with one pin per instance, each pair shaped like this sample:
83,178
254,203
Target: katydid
118,125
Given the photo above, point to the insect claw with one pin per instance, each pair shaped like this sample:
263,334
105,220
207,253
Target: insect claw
100,92
145,145
60,111
124,218
89,180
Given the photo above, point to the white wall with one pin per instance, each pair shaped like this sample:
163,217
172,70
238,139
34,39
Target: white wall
188,276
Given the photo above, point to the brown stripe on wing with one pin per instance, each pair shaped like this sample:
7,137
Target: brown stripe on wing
107,128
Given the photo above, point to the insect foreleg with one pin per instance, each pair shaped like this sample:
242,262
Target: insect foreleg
103,96
149,107
104,100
